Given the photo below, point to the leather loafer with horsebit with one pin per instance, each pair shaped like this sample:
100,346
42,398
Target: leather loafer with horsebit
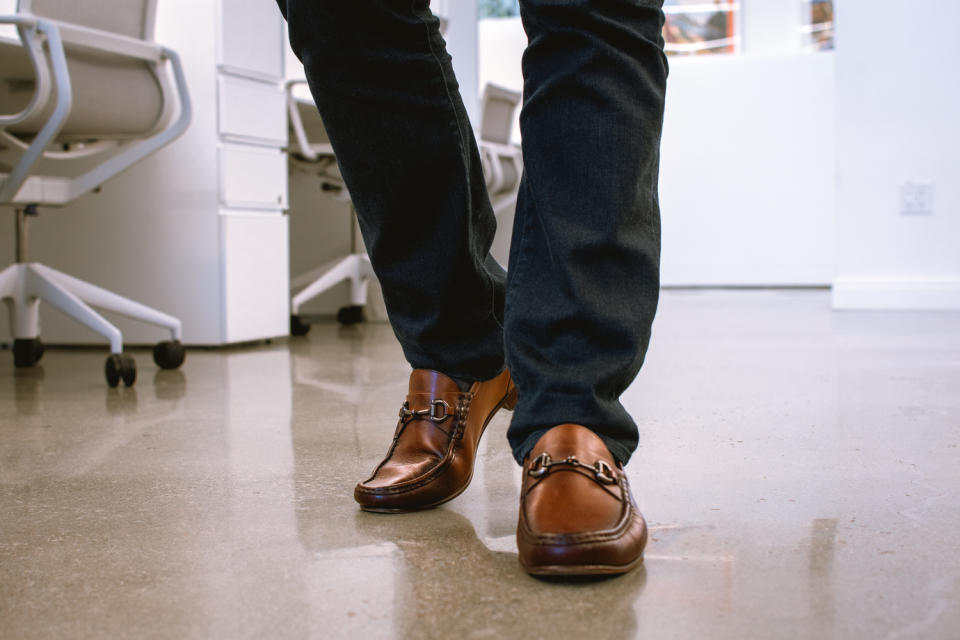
577,515
435,444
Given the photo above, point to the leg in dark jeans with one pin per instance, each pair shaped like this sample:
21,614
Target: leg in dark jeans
382,80
583,281
584,262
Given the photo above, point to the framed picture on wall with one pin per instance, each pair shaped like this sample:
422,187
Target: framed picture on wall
697,27
817,28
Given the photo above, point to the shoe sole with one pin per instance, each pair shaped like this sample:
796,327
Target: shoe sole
559,570
508,402
417,508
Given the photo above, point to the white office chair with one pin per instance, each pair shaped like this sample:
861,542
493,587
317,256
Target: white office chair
310,150
502,160
84,94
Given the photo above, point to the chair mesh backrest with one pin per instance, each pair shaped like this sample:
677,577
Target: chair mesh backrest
133,18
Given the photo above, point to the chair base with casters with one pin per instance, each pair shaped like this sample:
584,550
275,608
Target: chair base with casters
60,115
312,153
354,268
24,284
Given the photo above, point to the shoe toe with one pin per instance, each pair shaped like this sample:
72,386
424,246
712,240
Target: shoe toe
577,516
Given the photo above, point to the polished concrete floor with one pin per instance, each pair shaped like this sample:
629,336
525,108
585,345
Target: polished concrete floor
800,470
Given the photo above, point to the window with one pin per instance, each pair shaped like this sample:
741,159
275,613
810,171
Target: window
498,8
700,26
818,31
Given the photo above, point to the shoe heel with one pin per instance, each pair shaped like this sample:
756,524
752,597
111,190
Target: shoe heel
510,401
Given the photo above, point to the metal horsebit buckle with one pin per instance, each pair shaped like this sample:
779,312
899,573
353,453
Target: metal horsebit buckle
438,412
542,464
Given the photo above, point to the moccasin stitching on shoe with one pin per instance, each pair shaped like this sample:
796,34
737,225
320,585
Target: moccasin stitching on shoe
580,552
415,492
463,410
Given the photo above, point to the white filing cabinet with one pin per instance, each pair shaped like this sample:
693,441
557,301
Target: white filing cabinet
198,230
252,169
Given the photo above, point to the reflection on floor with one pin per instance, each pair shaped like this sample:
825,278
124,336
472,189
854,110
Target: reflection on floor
800,469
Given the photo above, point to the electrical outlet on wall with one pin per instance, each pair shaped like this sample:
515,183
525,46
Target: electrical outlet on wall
916,198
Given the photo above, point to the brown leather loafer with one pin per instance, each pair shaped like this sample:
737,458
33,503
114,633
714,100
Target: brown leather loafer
577,515
435,444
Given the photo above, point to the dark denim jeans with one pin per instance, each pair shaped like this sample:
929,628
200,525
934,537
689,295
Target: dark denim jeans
571,319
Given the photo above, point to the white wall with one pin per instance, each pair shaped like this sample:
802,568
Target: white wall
501,42
898,105
770,26
462,45
747,177
8,7
747,172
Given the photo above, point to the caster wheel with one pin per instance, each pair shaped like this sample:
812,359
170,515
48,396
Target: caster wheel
169,354
298,327
27,352
120,366
350,315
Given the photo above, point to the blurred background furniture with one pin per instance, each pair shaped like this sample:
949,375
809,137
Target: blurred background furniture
310,151
502,160
85,93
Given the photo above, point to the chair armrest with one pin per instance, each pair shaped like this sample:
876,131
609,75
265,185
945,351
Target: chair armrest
71,36
299,132
107,42
92,39
27,28
137,151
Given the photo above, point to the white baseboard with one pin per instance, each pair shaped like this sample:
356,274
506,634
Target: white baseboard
897,293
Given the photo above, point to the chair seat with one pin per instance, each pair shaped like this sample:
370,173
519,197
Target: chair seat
101,109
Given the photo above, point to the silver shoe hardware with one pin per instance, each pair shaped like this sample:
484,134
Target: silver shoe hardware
541,466
438,412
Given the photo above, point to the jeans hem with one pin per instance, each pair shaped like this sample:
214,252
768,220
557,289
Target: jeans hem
621,452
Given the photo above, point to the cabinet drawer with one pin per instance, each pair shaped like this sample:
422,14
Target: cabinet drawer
252,111
253,177
256,276
251,38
